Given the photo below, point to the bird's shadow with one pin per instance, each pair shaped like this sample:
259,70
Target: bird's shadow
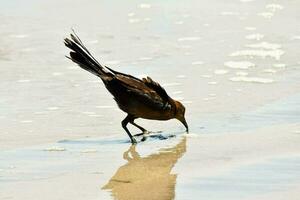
147,177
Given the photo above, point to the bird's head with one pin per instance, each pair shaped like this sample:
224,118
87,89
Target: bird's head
180,112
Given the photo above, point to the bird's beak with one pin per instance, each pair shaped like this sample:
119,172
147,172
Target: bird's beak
185,124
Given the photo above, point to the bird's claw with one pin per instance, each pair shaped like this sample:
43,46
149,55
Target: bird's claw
143,138
139,134
143,133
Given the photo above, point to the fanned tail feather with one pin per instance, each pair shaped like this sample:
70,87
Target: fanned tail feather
84,58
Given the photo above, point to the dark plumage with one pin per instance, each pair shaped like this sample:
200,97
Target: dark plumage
139,98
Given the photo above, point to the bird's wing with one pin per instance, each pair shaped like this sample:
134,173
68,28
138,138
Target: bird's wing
147,90
157,88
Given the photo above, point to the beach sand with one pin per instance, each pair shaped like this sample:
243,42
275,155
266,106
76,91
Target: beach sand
234,65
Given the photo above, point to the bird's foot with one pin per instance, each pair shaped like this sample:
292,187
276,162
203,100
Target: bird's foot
144,138
139,134
143,133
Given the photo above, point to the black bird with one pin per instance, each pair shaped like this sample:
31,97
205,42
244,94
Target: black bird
139,98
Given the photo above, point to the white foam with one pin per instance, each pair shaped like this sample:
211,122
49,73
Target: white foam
188,39
198,63
255,36
206,76
239,64
212,83
208,98
52,108
23,81
55,148
279,65
267,15
144,5
272,71
181,76
186,15
264,45
134,20
251,79
147,19
276,54
178,22
221,71
145,58
239,73
274,7
249,28
27,49
296,37
26,121
131,14
246,1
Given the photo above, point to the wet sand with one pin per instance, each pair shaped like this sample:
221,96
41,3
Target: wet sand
241,165
233,64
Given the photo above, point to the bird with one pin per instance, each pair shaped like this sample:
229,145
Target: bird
139,98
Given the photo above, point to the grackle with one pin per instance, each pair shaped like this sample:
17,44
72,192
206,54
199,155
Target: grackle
139,98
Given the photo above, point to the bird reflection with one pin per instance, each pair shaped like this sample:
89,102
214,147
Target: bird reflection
147,177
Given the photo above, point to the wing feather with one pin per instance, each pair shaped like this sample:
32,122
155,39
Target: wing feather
146,90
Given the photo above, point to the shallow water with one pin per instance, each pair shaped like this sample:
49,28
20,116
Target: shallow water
234,65
145,165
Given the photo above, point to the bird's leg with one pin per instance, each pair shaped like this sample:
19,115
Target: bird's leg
144,131
124,125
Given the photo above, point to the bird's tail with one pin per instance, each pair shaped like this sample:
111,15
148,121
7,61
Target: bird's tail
84,58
